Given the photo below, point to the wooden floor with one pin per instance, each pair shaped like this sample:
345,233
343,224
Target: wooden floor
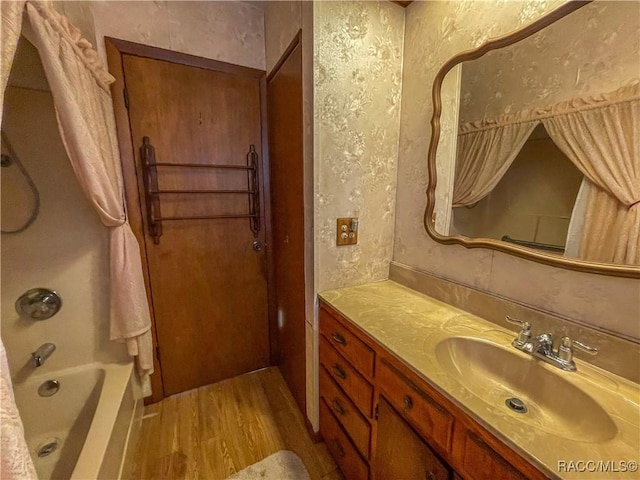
215,431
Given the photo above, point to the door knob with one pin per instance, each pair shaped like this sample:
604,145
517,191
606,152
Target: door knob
257,246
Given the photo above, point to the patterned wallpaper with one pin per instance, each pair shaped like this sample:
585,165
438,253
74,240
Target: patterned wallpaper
435,31
358,86
594,50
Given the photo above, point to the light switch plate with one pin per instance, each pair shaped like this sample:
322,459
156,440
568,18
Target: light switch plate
344,234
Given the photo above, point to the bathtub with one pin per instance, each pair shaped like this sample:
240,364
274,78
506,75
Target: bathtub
83,430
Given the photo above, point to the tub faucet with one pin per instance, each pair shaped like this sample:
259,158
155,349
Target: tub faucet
43,352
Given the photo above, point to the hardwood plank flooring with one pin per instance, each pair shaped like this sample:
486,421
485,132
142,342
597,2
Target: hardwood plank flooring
214,431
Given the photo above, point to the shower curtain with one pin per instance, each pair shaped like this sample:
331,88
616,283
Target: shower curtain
80,88
79,85
484,156
599,134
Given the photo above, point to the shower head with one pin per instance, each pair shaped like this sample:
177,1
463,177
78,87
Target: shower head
5,161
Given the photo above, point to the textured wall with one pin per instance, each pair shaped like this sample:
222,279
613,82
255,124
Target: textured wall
594,50
282,20
358,88
435,31
231,32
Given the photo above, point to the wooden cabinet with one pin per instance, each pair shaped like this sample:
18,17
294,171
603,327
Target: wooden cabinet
401,453
346,395
343,409
383,421
477,460
353,466
428,417
346,377
354,350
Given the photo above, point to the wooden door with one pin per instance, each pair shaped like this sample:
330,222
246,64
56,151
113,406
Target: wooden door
401,453
207,282
284,94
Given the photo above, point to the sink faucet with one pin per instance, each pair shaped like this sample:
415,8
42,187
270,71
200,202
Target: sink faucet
541,346
43,352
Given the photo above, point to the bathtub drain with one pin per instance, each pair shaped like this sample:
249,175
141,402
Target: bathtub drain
47,449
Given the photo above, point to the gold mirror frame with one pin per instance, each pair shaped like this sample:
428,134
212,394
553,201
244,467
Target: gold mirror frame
523,252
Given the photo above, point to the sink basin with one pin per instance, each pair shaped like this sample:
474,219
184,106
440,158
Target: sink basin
494,374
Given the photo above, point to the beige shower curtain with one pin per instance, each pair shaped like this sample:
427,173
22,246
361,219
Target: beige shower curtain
484,156
80,88
602,139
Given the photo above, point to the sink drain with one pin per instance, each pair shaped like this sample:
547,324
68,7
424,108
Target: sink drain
516,405
47,449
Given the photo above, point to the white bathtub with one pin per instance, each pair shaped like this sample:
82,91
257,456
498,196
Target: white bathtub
91,418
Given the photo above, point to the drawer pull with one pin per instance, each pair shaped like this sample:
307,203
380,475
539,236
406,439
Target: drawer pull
337,407
339,448
339,371
408,403
338,338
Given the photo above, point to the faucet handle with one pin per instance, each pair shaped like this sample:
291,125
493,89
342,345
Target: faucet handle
516,321
525,334
567,342
565,349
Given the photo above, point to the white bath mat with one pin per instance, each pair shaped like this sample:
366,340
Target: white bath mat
282,465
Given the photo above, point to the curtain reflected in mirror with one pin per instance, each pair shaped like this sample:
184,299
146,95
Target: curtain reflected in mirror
547,152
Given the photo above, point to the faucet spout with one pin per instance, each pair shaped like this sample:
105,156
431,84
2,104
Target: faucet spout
43,352
541,347
542,344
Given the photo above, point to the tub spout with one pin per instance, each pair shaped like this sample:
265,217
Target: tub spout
43,352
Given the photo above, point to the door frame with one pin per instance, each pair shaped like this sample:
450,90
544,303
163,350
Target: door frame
116,49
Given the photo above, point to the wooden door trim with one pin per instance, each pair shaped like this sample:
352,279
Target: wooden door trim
266,202
140,50
292,46
132,197
116,49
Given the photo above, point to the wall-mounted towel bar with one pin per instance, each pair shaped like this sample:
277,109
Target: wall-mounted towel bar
153,193
539,246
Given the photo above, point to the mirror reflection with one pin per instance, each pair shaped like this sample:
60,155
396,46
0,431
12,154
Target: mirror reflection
547,154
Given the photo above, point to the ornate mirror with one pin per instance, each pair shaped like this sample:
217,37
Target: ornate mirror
535,148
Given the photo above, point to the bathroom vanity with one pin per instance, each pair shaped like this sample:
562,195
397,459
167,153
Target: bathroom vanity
411,387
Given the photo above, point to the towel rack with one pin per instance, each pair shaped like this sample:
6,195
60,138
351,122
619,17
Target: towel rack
152,193
527,243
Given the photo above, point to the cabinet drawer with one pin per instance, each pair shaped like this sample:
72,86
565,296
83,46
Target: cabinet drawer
353,384
350,346
344,453
480,461
427,417
345,411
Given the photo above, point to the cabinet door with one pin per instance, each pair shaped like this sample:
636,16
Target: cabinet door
478,461
401,453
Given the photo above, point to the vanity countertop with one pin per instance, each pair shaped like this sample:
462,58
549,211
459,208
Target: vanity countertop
411,325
